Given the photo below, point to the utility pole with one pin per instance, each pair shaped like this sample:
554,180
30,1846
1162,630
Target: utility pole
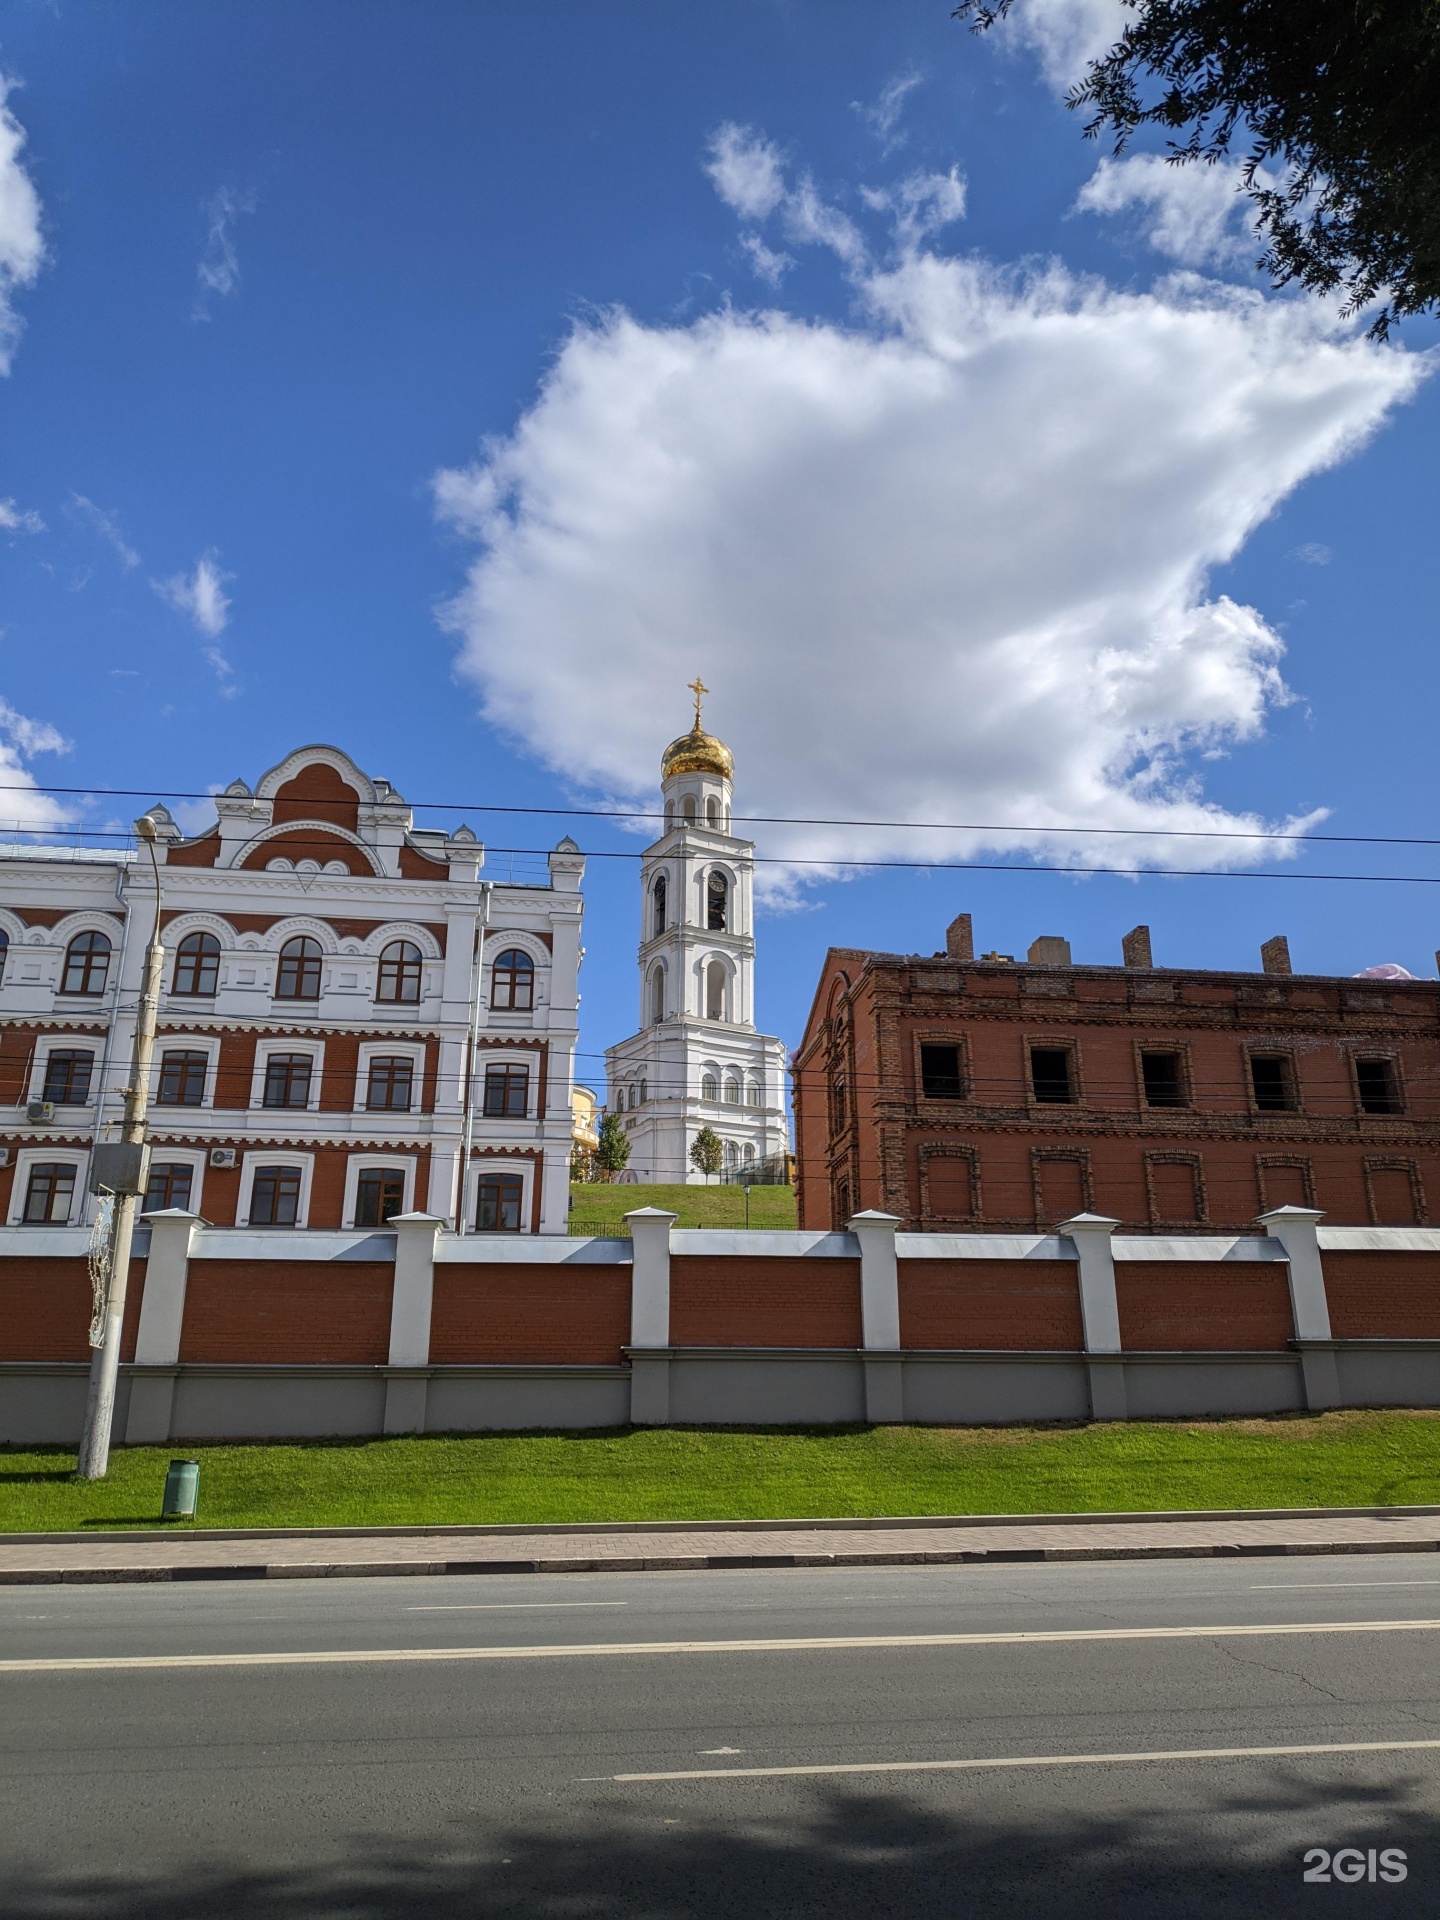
478,1011
104,1366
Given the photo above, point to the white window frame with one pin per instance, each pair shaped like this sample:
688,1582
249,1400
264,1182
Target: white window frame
30,1157
358,1163
490,1057
500,1163
253,1162
413,1050
498,940
197,1158
297,1043
63,1042
206,1043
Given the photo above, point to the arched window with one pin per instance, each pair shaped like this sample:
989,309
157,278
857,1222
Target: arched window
4,951
732,1089
708,1088
644,1093
299,977
732,1156
687,809
752,1092
715,990
197,965
669,815
657,996
87,962
399,982
630,1096
657,895
512,982
717,902
712,812
749,1153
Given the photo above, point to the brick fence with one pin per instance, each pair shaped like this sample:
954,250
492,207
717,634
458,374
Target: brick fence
234,1333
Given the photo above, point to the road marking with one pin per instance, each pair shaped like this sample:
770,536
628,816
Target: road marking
1308,1586
516,1606
1032,1760
599,1649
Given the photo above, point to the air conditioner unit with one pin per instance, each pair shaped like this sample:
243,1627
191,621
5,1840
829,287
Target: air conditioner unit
222,1156
4,1156
39,1111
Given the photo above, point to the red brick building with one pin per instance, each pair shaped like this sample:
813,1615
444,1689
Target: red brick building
964,1093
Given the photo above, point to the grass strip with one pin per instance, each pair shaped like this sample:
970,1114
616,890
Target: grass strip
1325,1460
772,1209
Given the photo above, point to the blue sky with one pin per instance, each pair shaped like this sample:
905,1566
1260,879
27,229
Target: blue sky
452,382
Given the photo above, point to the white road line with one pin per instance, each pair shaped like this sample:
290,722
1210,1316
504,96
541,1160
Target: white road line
1032,1760
516,1606
600,1649
1310,1586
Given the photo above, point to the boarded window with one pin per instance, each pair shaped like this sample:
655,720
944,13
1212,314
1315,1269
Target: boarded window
1284,1187
949,1189
1176,1191
1392,1197
940,1073
1062,1189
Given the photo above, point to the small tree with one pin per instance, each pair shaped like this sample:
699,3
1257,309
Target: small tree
707,1153
583,1170
612,1153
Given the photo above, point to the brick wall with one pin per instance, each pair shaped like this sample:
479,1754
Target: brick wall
743,1302
990,1304
553,1315
1204,1306
1383,1296
45,1309
291,1313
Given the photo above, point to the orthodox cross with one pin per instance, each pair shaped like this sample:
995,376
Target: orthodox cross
697,687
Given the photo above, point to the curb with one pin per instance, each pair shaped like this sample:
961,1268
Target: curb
690,1563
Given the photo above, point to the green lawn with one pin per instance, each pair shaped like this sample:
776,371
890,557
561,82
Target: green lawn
715,1206
1333,1459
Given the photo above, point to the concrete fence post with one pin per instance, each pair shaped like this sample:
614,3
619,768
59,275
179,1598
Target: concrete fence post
162,1316
650,1315
1297,1230
407,1376
1090,1235
880,1316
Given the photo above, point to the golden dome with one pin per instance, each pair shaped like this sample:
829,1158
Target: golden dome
697,752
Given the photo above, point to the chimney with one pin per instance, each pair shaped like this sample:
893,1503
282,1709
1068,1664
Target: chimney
1275,955
1135,948
959,940
1049,951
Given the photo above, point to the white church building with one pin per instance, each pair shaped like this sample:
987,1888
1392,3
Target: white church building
697,1060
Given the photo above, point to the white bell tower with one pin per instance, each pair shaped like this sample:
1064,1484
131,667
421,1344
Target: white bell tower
697,1060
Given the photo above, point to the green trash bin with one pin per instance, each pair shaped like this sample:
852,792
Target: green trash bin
182,1490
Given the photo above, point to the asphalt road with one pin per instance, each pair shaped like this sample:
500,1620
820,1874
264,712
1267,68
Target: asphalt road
226,1777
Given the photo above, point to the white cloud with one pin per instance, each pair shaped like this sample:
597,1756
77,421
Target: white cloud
746,171
883,116
22,247
107,525
23,808
14,519
947,562
1312,553
1066,35
1195,213
218,272
769,265
200,596
921,205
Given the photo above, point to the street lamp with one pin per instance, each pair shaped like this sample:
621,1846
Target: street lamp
120,1168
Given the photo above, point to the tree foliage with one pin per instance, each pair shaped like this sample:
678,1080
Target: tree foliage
612,1152
707,1152
1335,105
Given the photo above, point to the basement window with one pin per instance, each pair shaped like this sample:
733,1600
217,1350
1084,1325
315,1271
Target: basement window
1271,1080
940,1073
1050,1075
1164,1084
1375,1080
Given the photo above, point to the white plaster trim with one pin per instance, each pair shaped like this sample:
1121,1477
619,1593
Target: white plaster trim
412,1050
253,1162
299,1043
26,1159
358,1163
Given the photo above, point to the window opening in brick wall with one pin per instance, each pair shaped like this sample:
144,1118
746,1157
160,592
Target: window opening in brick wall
399,980
1164,1081
197,966
1175,1192
940,1073
87,963
1270,1077
182,1079
299,975
498,1201
507,1092
49,1194
1061,1188
379,1196
275,1197
287,1080
1050,1075
1378,1087
68,1072
170,1185
392,1084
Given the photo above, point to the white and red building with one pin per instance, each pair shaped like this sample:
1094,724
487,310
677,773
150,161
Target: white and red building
327,963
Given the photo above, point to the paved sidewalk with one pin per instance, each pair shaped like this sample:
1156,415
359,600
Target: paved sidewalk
997,1539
